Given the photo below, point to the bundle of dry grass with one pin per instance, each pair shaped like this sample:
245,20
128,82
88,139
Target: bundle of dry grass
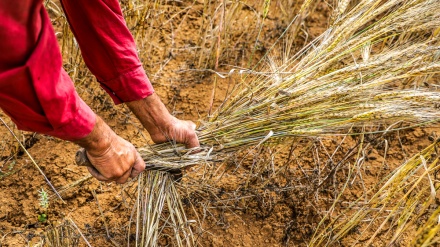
371,66
156,194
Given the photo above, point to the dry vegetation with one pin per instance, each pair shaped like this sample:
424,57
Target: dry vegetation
312,134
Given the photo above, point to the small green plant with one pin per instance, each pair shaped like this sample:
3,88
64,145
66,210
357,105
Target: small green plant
42,218
11,165
44,198
44,204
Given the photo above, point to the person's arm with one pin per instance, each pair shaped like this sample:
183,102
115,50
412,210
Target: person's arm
161,125
35,91
108,48
39,96
109,51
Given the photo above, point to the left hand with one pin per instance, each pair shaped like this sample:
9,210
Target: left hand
161,125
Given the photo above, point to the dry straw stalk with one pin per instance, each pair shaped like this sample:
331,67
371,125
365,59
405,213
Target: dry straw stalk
401,207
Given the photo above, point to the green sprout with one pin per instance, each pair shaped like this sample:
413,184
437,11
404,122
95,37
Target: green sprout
42,218
11,165
44,198
44,204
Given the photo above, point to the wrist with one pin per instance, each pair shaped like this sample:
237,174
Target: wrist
152,114
99,140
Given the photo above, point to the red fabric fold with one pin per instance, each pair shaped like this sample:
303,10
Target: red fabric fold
36,92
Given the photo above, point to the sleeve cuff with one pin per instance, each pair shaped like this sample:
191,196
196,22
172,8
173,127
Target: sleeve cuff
129,86
80,125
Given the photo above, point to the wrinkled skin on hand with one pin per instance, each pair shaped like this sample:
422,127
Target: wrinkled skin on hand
180,131
118,162
161,125
115,159
112,157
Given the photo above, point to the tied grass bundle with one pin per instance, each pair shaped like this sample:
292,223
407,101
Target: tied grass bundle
404,206
371,66
157,194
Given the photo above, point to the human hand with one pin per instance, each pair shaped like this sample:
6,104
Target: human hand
161,125
180,131
112,157
118,162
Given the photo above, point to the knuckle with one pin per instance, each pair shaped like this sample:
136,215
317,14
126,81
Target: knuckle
141,167
117,174
194,136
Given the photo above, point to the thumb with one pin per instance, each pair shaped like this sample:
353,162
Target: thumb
138,167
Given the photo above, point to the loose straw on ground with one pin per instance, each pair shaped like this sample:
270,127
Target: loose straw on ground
398,209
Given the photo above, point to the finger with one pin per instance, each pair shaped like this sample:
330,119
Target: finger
192,140
138,167
96,174
124,177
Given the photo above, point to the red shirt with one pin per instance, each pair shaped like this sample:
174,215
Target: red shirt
36,92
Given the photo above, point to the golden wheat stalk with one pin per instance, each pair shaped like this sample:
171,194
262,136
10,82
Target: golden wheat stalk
396,209
330,88
158,210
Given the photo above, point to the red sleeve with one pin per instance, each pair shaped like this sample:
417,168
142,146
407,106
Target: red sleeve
35,91
108,48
